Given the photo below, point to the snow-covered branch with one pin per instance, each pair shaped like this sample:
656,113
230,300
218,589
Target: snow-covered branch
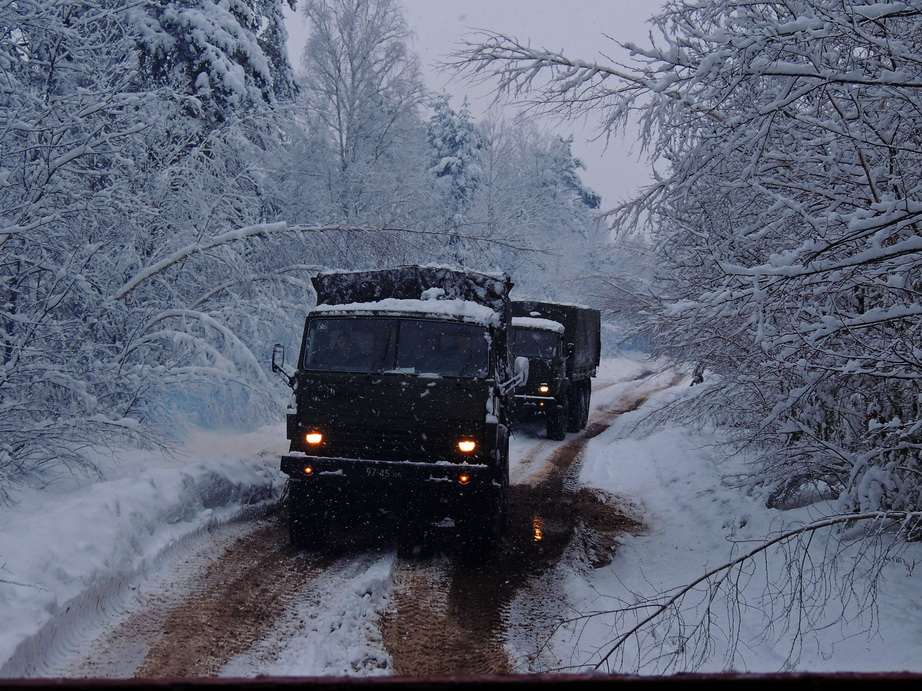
668,630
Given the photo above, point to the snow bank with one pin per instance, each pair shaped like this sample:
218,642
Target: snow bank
696,521
62,559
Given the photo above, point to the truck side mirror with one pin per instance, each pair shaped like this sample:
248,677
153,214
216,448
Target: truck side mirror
569,349
278,363
519,375
520,370
278,357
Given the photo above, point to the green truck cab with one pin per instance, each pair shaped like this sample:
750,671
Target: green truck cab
402,401
563,345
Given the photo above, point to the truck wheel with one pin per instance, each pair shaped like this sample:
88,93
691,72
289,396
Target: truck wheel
587,405
557,418
504,485
412,534
480,528
577,402
308,518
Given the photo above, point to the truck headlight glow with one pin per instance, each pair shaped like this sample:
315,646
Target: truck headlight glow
543,388
467,445
464,479
313,438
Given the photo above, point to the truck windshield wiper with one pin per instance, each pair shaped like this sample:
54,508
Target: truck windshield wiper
470,357
377,366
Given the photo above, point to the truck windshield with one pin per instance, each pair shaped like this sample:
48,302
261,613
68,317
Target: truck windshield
410,346
533,343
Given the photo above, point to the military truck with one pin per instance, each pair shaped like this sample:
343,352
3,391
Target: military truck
562,343
401,401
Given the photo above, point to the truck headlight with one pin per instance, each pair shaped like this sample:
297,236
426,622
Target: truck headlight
467,445
313,438
543,388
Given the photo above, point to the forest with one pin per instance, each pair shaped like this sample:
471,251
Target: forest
169,182
169,185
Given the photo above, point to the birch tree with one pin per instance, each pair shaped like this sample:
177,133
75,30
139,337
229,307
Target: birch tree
363,92
530,195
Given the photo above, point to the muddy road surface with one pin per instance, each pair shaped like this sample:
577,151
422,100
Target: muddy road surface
441,615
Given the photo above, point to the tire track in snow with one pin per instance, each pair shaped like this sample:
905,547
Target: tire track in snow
211,606
231,607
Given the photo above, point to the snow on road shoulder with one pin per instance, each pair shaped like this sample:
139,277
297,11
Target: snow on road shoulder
695,522
64,553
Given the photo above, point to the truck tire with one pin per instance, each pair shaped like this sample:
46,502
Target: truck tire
414,529
558,418
308,518
503,462
412,537
480,527
578,405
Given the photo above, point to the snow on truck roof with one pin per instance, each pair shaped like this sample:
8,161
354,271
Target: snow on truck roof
537,323
537,302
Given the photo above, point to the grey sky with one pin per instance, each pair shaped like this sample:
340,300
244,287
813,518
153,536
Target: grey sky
577,29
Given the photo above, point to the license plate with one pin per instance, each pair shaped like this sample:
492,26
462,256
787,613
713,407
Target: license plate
382,472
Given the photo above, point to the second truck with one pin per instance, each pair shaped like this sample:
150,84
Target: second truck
563,345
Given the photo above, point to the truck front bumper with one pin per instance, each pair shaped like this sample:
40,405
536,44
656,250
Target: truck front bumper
524,405
303,466
348,484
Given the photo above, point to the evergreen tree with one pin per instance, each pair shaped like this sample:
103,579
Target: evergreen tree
220,58
457,143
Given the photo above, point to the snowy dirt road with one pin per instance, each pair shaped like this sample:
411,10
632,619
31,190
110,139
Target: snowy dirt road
244,602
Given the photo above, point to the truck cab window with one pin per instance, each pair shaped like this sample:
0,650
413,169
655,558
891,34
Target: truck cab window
444,349
413,346
534,343
348,345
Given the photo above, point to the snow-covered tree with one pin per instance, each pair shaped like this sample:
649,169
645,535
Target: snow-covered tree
457,144
530,206
221,57
363,92
784,222
115,183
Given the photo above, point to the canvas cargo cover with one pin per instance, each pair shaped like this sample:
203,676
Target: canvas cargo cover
410,283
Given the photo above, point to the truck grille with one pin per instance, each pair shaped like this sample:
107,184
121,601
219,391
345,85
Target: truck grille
393,445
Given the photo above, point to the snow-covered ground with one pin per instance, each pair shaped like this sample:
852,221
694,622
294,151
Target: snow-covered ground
70,555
